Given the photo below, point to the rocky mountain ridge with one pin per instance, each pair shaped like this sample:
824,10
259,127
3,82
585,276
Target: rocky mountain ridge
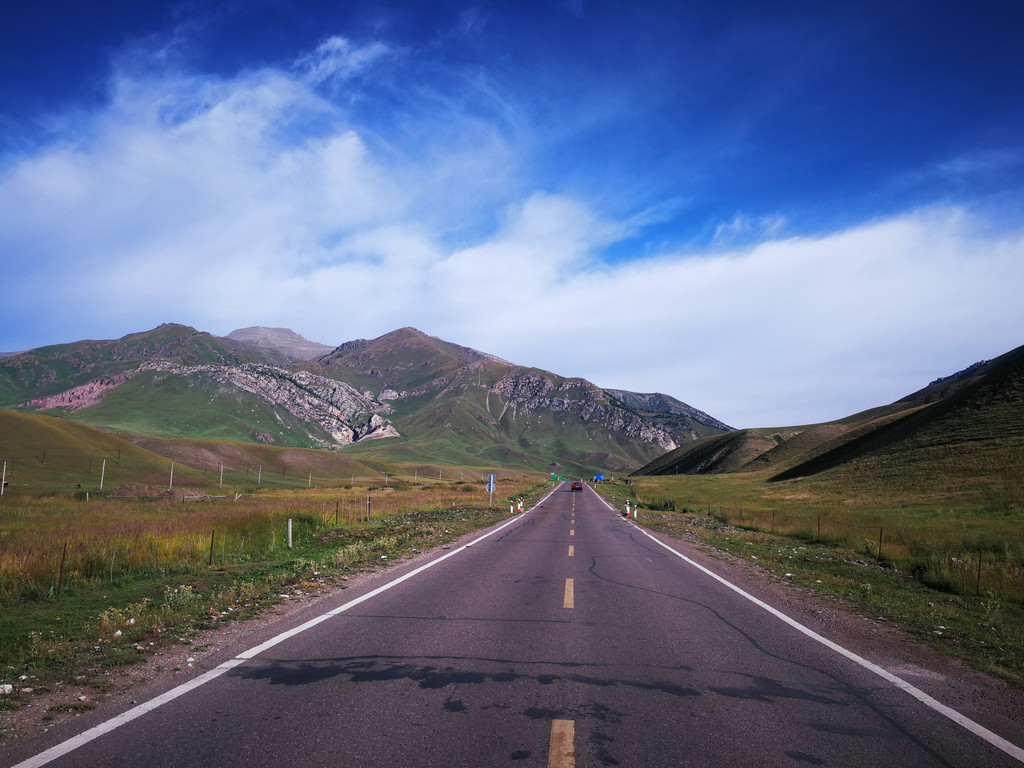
431,397
342,411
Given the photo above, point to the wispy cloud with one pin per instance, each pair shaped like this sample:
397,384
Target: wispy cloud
744,229
338,59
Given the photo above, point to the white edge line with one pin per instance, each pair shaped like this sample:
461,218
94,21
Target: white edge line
107,726
976,728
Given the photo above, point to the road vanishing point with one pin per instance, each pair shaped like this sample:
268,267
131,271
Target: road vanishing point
564,636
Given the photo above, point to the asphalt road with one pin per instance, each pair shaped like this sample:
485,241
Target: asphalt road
567,637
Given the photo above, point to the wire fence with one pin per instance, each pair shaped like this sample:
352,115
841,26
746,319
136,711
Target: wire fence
48,542
55,469
970,562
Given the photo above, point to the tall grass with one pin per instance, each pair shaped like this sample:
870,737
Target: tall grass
948,553
59,544
962,547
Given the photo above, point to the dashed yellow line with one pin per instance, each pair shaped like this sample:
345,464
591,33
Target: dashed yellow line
572,550
572,531
567,600
562,748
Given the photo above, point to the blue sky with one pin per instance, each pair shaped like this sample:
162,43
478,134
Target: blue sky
779,213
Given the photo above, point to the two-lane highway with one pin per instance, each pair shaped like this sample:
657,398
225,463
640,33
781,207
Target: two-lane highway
565,636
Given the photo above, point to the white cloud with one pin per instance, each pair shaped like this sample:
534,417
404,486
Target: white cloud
213,202
807,329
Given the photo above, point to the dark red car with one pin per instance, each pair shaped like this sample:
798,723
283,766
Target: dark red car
577,486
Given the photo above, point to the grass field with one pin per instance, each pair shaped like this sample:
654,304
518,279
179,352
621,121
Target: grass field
944,559
86,586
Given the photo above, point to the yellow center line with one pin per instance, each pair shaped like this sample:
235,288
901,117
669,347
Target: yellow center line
568,601
572,531
562,749
572,550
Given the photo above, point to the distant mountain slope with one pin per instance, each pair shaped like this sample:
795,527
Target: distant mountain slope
986,404
175,381
415,396
54,369
711,455
467,406
283,341
980,408
406,360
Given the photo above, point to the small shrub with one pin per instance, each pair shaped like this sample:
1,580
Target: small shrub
937,580
180,597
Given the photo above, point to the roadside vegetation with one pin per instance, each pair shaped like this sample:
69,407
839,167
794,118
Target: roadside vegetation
947,566
90,585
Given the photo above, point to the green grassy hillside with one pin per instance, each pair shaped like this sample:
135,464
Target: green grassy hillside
967,423
982,416
54,369
46,454
717,454
171,405
51,455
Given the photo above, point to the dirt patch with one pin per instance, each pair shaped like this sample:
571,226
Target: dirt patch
208,457
133,491
182,495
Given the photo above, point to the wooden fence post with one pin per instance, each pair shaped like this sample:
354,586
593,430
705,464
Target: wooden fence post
60,577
